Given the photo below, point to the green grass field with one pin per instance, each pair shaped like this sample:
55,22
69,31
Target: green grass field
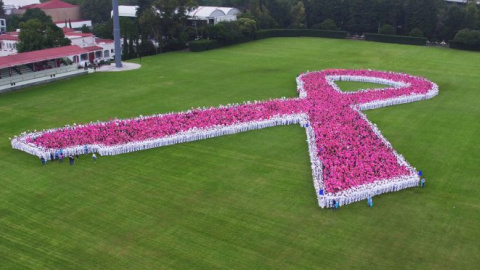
244,201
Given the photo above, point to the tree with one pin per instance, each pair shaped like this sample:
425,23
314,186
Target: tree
13,22
54,37
86,29
298,16
422,14
468,37
104,30
261,14
2,11
172,16
416,32
392,12
280,11
247,26
225,32
149,23
131,48
387,29
39,32
125,54
328,24
31,36
317,11
143,5
454,21
36,13
96,10
362,16
471,15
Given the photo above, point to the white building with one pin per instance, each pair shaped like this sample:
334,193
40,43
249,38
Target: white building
8,43
78,24
100,49
126,11
211,15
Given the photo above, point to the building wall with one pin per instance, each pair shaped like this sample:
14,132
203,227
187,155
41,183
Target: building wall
82,41
58,14
110,47
9,45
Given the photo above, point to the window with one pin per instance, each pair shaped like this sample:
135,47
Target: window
106,53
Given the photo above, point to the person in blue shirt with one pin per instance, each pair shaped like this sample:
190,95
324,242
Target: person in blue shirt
370,202
422,182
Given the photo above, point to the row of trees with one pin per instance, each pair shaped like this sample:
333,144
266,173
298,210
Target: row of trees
436,19
168,26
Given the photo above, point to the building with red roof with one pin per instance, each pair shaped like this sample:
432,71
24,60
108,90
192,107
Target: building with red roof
54,4
104,48
40,56
59,11
29,68
8,43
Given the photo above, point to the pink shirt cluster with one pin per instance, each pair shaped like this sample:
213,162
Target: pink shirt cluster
352,154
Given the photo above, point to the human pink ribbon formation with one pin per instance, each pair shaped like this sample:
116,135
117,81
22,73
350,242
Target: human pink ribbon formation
350,158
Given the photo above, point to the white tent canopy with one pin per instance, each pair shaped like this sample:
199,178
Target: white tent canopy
207,12
200,13
230,10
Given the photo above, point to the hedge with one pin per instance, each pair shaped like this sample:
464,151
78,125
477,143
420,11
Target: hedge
203,45
396,39
235,41
268,33
461,46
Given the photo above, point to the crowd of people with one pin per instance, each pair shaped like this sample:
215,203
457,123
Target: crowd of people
350,158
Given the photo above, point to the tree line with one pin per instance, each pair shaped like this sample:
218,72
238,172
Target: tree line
166,26
436,20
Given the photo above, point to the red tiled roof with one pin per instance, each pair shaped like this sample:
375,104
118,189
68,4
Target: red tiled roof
93,48
100,40
78,34
8,37
41,55
54,4
67,30
81,20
